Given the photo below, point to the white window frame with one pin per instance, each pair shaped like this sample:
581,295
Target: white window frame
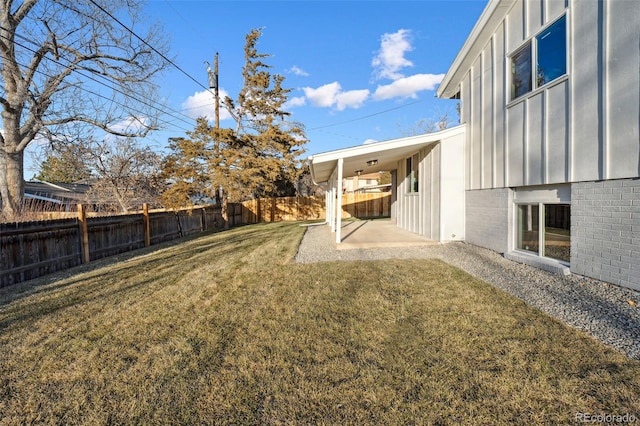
531,44
541,229
537,196
412,163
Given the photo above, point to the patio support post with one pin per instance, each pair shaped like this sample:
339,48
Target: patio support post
327,205
339,201
331,208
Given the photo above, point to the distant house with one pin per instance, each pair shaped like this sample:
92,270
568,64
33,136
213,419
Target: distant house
550,119
364,183
45,196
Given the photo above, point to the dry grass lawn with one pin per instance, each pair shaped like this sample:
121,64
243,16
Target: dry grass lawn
225,329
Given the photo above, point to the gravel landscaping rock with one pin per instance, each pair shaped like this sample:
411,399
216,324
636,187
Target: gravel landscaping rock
602,310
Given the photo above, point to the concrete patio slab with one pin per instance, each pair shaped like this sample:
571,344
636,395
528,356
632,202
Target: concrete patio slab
378,233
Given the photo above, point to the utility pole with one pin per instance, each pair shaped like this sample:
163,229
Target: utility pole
220,195
215,71
213,84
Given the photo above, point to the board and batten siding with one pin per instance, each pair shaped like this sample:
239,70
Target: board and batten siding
419,211
582,126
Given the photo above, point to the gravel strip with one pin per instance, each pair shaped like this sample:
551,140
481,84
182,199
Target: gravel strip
601,310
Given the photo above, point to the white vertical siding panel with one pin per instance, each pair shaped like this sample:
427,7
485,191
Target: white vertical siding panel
402,199
499,102
515,22
534,16
423,223
586,86
515,144
435,191
553,9
476,127
623,88
465,98
466,118
487,117
451,189
534,139
557,133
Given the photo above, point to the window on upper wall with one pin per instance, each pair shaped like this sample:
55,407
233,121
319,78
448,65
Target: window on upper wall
412,173
544,56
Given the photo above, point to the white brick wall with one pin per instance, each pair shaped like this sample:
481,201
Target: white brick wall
605,231
487,218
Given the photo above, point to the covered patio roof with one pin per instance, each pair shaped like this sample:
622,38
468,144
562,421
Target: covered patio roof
382,155
333,166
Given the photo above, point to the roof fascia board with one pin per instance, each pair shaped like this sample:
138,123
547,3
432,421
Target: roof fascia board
491,17
40,197
320,162
375,147
53,185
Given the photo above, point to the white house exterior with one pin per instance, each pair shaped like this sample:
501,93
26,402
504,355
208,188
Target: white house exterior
545,166
550,96
427,181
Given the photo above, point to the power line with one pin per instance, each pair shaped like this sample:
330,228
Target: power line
190,26
365,116
84,89
149,45
90,77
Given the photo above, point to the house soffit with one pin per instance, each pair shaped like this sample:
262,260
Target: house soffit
387,154
493,14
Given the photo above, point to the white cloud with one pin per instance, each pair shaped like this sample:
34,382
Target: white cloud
351,99
331,95
297,101
130,125
408,87
298,71
390,58
203,104
323,96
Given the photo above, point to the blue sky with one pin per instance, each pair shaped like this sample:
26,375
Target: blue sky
360,70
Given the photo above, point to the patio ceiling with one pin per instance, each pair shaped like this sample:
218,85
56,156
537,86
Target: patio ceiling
387,154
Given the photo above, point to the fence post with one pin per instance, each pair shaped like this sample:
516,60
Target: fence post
84,233
147,225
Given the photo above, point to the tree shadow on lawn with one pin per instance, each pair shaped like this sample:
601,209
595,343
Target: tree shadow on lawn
162,257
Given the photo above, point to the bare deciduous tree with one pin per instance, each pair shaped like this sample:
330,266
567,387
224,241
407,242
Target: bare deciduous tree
69,67
441,120
125,174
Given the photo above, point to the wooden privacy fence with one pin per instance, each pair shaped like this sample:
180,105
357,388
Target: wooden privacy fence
367,205
364,205
32,249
